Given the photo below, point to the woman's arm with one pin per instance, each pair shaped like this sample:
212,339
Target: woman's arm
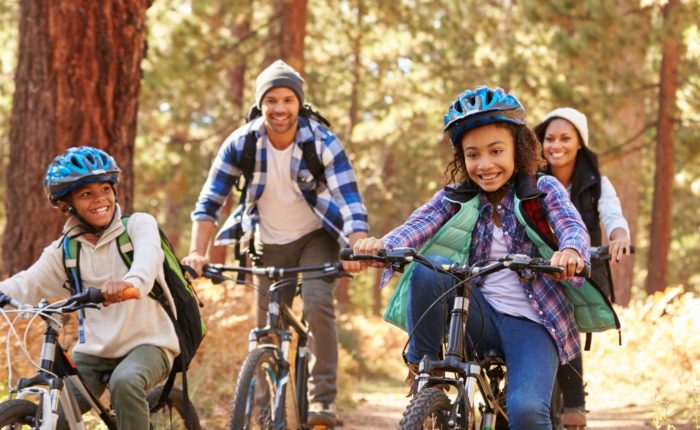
615,224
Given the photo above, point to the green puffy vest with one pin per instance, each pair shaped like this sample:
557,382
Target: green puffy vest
592,309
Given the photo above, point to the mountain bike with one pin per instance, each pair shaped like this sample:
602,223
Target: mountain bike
36,402
430,407
557,407
271,391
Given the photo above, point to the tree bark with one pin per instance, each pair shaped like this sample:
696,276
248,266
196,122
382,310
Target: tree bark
236,79
660,237
293,32
77,83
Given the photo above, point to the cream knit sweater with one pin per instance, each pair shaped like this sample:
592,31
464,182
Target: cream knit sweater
112,331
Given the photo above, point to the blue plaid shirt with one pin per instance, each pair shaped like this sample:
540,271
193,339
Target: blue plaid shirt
337,202
546,296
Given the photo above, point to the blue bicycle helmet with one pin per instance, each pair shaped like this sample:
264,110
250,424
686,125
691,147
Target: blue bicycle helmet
481,106
77,167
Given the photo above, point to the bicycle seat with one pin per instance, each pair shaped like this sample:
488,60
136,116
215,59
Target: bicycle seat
493,357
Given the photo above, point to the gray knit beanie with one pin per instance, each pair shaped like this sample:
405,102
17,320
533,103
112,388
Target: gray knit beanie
278,74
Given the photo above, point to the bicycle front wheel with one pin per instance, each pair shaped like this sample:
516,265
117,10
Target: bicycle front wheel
253,404
171,413
18,414
429,409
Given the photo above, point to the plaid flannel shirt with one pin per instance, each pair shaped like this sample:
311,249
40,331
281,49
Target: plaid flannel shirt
336,202
546,296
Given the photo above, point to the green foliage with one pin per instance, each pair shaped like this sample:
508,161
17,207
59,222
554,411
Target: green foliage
383,73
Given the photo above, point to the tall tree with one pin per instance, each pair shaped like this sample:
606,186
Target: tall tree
77,83
660,238
293,32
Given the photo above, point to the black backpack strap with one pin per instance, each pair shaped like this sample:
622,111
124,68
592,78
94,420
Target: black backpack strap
247,161
313,161
178,367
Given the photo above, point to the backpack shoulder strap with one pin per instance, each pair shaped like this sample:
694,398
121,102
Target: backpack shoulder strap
247,162
313,160
126,249
71,260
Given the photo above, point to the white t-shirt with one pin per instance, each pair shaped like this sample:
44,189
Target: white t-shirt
284,214
503,289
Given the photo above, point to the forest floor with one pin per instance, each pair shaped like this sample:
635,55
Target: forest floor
381,409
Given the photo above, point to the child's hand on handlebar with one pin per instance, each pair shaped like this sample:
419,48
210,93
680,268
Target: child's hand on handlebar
569,260
112,291
369,245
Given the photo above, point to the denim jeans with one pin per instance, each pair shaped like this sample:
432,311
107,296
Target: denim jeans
529,351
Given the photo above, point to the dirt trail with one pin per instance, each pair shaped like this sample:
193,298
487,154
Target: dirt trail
382,409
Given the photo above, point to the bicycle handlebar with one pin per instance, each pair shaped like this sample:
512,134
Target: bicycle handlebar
91,296
403,256
602,252
215,272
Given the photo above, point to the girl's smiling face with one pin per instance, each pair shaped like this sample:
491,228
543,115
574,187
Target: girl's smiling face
489,156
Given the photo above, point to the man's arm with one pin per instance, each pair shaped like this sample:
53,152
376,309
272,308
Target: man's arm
202,232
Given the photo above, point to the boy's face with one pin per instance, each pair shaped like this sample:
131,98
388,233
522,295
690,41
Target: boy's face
489,154
95,203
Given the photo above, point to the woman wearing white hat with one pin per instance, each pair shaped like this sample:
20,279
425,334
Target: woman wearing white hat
564,136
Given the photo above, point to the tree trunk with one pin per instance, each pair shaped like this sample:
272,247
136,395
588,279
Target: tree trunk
660,237
77,83
293,32
628,125
236,79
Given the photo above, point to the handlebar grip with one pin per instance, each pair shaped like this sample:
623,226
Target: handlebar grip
585,272
346,254
130,293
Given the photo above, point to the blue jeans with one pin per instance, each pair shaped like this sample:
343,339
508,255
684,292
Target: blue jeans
529,351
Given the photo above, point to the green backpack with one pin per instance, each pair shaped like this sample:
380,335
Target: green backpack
189,326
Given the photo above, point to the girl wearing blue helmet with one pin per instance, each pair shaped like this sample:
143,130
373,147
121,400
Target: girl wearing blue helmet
496,157
134,339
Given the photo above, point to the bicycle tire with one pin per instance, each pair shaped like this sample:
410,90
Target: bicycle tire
557,407
17,413
171,414
429,409
256,389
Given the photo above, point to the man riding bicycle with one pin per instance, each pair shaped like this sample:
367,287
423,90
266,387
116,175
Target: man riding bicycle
295,218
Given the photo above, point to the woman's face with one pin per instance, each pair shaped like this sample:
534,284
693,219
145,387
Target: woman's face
489,155
561,143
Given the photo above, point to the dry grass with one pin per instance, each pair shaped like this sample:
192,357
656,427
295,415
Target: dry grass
658,363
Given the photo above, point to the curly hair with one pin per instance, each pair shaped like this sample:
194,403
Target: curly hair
528,154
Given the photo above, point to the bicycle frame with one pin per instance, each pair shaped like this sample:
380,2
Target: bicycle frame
280,319
486,376
50,384
280,316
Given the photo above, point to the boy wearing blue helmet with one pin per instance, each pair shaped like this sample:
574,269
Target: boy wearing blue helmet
530,323
133,339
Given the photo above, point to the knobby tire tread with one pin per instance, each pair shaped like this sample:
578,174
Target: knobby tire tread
252,362
424,403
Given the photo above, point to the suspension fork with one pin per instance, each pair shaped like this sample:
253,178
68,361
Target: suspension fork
458,324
